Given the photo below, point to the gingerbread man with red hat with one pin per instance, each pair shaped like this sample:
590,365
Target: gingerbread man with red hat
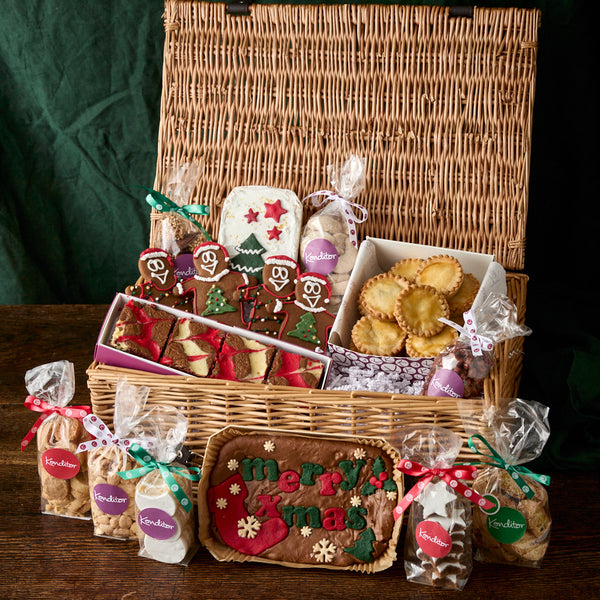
216,290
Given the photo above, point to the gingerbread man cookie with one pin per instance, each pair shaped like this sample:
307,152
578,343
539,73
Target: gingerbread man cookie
216,290
157,271
307,322
279,277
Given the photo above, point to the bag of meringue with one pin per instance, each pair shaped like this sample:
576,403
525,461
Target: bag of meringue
112,497
437,549
516,530
461,368
329,243
59,430
164,488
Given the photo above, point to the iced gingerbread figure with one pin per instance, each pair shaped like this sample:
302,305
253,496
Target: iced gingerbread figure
216,290
307,322
158,280
279,276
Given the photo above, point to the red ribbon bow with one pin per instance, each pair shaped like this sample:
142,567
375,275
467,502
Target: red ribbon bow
450,475
47,409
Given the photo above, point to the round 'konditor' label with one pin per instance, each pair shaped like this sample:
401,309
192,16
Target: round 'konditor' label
507,525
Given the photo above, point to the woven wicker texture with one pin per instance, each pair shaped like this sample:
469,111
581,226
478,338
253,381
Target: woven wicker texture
440,107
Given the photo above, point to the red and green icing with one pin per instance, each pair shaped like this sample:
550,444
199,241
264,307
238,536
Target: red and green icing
145,338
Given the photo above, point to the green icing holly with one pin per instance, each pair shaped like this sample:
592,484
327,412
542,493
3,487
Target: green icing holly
379,480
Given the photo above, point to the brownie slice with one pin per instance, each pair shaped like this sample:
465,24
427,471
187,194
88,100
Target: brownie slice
192,347
142,329
243,359
295,370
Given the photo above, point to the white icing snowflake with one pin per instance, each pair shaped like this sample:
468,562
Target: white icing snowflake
359,453
233,464
391,495
269,446
356,500
324,551
248,527
235,489
221,503
306,531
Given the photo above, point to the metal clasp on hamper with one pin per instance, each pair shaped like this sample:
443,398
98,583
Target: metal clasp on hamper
238,7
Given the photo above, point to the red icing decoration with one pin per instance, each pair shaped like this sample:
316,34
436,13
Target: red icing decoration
274,211
145,339
251,216
271,532
274,233
289,481
328,480
334,519
268,506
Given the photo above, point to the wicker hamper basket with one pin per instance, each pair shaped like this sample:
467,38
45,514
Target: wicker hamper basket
439,105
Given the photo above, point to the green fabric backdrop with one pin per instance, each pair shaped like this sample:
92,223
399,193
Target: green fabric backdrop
79,116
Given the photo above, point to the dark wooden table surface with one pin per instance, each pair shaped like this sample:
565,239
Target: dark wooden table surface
53,557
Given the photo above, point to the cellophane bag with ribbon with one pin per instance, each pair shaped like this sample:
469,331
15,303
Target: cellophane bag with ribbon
328,244
112,497
516,530
63,474
164,489
460,369
437,549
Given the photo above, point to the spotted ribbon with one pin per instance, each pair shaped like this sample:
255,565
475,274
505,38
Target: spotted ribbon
450,475
161,203
104,437
351,218
149,464
47,409
516,471
478,342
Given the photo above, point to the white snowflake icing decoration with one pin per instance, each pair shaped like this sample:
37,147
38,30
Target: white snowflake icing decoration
356,500
324,551
391,495
235,489
306,531
269,446
233,464
221,503
359,453
248,527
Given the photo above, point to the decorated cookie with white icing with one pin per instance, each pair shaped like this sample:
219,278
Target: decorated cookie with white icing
258,222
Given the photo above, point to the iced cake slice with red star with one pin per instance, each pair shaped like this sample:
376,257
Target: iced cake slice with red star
257,222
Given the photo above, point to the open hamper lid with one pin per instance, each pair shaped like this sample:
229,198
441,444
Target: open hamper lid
439,105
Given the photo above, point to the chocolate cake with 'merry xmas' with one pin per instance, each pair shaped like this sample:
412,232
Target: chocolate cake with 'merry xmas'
299,499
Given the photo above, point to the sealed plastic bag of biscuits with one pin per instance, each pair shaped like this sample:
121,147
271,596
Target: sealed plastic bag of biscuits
164,488
460,369
438,548
329,243
112,497
516,529
59,430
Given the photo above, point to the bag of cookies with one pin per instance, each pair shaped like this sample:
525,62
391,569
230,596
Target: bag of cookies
516,529
179,232
438,550
459,370
329,244
164,488
59,430
112,497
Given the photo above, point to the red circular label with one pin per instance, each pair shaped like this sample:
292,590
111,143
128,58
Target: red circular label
433,539
60,463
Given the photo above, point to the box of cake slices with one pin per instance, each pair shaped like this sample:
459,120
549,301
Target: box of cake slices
142,335
383,269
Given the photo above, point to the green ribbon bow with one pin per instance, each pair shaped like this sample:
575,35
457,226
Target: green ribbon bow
515,470
149,464
161,203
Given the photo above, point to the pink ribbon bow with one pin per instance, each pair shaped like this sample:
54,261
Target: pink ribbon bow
450,475
104,437
47,409
478,342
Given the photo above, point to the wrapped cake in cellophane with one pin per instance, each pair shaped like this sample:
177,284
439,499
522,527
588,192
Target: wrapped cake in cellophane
164,488
438,550
460,369
516,529
59,430
112,497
